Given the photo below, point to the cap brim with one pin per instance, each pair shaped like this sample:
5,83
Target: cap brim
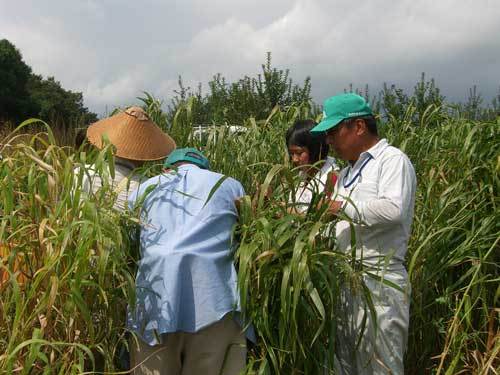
326,125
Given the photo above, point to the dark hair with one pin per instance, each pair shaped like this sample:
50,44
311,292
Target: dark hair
80,137
300,135
370,121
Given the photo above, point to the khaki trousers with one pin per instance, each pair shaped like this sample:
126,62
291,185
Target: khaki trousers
217,349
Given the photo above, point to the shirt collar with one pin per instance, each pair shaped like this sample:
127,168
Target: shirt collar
376,149
180,170
328,165
187,166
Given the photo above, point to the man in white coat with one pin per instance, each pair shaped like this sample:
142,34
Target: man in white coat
376,193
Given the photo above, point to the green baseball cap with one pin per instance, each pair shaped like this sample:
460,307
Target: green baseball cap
190,155
341,107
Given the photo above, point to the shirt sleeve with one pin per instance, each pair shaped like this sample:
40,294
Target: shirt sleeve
396,189
88,175
232,191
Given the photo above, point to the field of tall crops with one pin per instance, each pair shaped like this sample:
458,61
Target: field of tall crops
67,271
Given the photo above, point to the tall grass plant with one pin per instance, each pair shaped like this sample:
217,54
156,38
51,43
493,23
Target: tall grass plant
68,263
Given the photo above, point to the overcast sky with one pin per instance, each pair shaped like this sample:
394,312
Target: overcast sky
111,50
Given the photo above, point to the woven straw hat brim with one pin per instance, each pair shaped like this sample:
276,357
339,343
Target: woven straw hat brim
134,139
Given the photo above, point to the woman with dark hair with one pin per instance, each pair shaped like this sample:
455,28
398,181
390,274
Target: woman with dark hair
309,153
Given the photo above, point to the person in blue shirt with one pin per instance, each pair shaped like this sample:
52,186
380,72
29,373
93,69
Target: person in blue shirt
186,313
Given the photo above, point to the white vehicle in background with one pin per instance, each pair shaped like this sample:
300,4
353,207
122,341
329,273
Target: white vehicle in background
205,131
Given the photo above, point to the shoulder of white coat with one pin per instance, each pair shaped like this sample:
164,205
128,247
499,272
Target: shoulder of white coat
394,158
88,169
394,152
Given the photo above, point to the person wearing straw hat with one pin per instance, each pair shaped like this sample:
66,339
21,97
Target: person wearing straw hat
186,313
136,139
375,195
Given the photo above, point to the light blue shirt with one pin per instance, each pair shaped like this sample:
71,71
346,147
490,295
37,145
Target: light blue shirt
186,278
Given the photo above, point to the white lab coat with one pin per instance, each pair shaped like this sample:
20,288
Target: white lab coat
305,190
124,182
379,195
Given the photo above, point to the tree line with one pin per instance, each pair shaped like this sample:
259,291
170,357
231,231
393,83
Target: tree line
24,94
233,103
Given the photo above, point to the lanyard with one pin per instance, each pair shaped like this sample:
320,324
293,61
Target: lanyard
357,174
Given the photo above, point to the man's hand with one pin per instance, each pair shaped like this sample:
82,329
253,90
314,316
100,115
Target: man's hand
237,203
334,207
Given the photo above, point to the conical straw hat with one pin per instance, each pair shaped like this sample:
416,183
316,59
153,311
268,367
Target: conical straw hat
133,134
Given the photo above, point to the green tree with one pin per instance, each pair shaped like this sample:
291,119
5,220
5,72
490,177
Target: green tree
15,101
247,97
24,94
276,88
426,103
57,104
472,109
427,94
495,104
394,101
